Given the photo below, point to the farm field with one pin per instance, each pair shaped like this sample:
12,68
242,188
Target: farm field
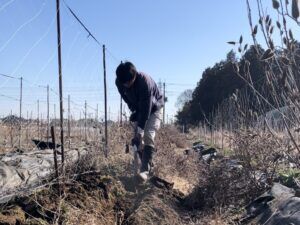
149,113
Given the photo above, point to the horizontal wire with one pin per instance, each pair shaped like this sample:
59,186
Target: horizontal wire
9,97
9,76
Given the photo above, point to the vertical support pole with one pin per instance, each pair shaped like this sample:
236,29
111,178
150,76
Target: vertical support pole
38,118
121,108
105,103
80,132
230,136
60,84
109,118
55,113
48,114
69,114
204,127
31,120
222,130
164,109
28,122
125,115
11,130
199,131
211,135
97,113
85,125
121,113
55,156
20,117
41,125
96,125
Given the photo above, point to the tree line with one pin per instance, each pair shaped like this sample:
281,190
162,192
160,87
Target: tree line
222,80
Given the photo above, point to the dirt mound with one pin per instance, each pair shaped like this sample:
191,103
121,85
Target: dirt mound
156,203
152,209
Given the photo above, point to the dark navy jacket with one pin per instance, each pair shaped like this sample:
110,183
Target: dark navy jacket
143,96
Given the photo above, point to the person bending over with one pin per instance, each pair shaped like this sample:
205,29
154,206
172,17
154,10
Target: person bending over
145,102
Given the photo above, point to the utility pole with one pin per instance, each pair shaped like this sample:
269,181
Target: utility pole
60,83
48,117
20,127
105,103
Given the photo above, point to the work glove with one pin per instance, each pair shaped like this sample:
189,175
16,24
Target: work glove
137,140
133,117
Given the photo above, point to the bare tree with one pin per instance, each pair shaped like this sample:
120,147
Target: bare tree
183,98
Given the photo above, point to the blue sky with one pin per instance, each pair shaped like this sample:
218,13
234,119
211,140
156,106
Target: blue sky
173,41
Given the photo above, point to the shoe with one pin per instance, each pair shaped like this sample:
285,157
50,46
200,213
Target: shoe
147,158
144,175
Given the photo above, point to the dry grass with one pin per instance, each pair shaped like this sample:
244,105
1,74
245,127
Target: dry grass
208,193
